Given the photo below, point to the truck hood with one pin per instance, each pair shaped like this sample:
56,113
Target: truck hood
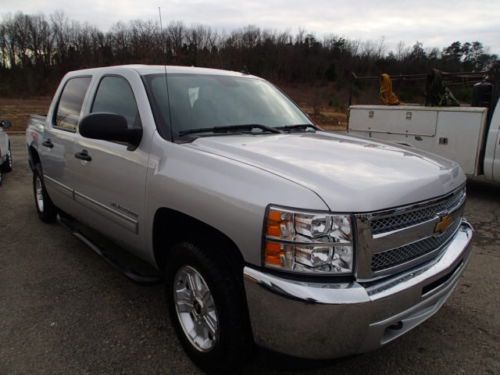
350,174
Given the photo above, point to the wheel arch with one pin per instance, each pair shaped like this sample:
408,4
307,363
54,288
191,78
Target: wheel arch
171,226
33,158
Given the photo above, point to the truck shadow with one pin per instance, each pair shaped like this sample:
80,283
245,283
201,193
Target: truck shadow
482,189
273,361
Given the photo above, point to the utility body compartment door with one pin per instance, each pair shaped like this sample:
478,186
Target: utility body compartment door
456,133
110,178
407,120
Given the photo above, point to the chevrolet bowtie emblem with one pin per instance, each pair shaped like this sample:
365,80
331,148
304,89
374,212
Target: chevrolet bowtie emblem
443,224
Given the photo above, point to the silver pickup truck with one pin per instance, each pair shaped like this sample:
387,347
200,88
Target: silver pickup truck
265,229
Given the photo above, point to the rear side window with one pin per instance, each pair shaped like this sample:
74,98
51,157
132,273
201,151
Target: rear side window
70,103
115,95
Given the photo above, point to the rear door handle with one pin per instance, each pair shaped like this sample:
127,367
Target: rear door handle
48,143
83,155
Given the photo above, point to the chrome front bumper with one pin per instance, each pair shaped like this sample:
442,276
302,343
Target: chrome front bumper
328,320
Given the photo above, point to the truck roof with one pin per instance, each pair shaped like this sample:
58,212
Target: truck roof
155,69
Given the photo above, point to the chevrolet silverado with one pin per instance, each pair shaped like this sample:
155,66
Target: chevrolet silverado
265,229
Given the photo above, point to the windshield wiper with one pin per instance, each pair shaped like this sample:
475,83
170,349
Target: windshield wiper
230,128
291,128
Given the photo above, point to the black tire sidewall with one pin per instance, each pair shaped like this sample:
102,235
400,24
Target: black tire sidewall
234,342
49,213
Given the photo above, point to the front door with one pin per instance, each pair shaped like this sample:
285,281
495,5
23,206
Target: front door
111,178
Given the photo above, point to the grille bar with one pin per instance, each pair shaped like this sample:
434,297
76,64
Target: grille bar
415,216
401,255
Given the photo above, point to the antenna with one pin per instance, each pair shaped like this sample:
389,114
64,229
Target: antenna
162,35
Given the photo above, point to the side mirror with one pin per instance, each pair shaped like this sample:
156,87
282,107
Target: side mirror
109,127
5,124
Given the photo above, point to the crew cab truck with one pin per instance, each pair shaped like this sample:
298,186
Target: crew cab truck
466,135
266,229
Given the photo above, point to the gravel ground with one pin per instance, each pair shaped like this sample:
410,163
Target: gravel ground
64,310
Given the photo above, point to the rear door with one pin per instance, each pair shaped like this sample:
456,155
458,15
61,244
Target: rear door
495,135
56,148
110,187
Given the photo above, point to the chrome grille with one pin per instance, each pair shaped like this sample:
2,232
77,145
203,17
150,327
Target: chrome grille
415,216
395,257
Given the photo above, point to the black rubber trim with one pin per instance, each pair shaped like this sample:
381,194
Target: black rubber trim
126,269
437,283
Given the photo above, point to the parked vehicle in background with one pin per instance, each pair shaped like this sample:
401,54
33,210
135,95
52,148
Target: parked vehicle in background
5,151
265,229
462,134
469,135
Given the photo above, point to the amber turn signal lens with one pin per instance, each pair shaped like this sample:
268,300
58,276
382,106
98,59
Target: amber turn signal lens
274,230
273,253
274,216
273,224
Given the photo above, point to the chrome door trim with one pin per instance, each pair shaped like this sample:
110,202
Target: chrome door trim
65,189
117,217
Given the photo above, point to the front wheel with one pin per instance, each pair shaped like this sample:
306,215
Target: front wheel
207,307
46,210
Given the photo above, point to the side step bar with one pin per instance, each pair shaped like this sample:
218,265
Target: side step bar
126,268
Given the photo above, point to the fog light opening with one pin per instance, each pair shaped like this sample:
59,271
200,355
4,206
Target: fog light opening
396,327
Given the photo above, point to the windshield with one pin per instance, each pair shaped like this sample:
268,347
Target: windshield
208,101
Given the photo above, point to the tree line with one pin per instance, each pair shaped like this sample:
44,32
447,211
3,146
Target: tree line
36,50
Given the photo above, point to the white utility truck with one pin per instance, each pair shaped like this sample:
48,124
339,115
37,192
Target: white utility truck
466,135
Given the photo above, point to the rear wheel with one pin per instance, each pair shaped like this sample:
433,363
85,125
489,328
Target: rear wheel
207,307
47,211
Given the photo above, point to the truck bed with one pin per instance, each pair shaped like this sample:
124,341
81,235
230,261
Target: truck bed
35,129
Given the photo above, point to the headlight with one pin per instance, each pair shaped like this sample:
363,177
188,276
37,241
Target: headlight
308,242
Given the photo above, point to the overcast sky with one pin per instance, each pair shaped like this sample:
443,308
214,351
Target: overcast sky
434,23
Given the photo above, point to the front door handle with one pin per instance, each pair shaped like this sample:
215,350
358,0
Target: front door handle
83,155
48,143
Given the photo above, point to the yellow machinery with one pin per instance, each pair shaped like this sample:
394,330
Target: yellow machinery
386,94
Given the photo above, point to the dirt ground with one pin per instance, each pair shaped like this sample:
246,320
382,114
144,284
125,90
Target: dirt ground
18,111
64,310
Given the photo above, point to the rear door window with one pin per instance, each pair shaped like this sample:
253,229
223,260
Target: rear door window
114,95
70,103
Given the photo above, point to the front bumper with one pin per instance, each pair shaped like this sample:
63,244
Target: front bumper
328,320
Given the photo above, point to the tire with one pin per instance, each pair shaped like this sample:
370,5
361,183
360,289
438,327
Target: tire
228,345
47,211
7,164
